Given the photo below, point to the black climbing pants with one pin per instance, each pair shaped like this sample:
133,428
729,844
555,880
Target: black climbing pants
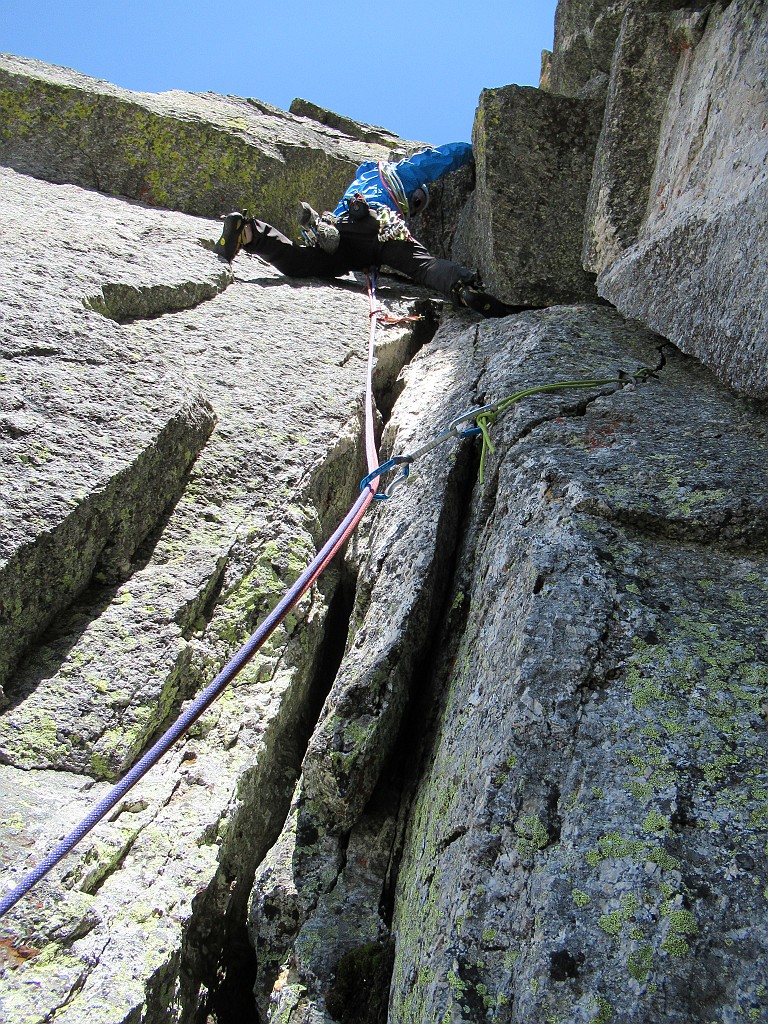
359,249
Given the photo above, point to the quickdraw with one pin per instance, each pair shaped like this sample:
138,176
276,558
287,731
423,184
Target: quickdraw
485,416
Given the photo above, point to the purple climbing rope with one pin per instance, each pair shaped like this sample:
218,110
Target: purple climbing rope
204,700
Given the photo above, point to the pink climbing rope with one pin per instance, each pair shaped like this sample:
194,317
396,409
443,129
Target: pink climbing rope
206,698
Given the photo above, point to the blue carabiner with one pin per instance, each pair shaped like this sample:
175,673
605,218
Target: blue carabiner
397,460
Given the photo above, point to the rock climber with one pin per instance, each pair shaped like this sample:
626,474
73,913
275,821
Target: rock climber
368,228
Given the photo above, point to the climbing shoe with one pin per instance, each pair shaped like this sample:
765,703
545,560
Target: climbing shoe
306,216
318,230
468,294
232,235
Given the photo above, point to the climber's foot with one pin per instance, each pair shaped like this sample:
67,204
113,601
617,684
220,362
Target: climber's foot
235,233
469,295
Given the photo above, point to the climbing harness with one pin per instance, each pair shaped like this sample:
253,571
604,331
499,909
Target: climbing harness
206,698
484,418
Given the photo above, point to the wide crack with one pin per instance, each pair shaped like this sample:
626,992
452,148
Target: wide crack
351,993
227,979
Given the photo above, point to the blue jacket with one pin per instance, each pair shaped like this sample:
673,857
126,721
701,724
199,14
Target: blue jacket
414,172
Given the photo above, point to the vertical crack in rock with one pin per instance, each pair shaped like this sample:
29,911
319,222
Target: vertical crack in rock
218,963
222,967
319,899
388,379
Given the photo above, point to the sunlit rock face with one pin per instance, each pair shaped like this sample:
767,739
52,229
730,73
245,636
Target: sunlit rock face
505,761
695,270
200,153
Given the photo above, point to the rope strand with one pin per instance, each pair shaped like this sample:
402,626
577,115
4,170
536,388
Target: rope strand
205,699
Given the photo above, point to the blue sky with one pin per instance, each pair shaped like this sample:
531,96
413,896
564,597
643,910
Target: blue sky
416,68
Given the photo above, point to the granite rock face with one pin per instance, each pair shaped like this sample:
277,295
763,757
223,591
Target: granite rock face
523,226
166,478
89,468
436,226
585,36
585,841
505,762
696,272
647,54
586,32
202,154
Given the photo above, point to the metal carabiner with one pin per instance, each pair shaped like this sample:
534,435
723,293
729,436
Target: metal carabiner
396,460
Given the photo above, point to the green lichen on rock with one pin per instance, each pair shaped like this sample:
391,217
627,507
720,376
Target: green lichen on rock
580,898
532,834
604,1011
200,154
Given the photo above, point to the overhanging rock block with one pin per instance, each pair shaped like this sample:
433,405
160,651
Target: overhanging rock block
696,273
523,227
199,153
354,129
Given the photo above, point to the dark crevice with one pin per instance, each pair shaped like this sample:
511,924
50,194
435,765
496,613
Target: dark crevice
32,351
224,965
554,821
407,759
398,775
387,385
96,883
334,645
195,616
452,837
360,990
604,666
563,965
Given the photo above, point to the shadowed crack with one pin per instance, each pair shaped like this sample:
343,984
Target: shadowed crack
96,541
228,974
126,303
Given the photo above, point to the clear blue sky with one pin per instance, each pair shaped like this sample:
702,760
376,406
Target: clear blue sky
416,68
